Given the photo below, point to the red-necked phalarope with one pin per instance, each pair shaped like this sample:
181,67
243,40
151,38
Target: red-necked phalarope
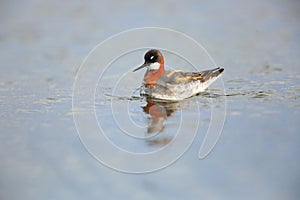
176,84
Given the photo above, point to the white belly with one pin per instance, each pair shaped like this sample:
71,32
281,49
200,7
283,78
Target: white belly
178,91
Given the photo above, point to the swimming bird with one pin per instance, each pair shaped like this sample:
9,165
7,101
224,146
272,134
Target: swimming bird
173,85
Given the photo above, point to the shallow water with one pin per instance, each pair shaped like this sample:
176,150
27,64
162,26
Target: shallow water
256,157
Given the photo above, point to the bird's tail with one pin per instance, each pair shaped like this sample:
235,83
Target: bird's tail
211,74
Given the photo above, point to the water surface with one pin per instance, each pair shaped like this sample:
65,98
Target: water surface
42,46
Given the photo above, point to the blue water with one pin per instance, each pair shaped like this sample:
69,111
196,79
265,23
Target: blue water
43,43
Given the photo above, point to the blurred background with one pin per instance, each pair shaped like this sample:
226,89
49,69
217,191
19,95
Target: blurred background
42,44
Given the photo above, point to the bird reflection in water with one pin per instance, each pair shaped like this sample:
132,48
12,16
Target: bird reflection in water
158,112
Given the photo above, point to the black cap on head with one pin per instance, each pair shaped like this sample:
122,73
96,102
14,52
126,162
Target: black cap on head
153,56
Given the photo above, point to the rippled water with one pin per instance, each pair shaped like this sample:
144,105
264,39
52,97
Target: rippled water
256,157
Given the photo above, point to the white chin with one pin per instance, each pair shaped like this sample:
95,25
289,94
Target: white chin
154,66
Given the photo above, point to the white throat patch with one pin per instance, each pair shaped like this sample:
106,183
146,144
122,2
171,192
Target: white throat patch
154,66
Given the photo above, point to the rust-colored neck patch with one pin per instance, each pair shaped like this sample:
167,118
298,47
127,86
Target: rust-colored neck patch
151,76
